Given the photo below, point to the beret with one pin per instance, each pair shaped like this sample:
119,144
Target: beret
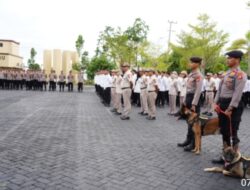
196,60
235,54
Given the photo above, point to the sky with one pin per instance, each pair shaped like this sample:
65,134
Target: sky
55,24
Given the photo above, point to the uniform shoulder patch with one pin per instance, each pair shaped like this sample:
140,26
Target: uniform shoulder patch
198,78
240,75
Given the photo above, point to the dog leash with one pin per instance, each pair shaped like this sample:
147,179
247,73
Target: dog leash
230,124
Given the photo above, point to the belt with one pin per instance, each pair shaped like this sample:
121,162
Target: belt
225,99
143,88
151,91
112,87
190,93
209,91
125,88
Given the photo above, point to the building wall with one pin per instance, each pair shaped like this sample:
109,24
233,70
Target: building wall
9,54
57,61
47,61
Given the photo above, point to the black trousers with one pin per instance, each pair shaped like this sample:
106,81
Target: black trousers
137,99
43,85
248,98
107,95
1,83
224,121
161,98
80,86
70,86
166,96
61,86
51,85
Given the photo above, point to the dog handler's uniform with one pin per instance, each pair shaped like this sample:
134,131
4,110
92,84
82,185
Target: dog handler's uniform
229,97
194,87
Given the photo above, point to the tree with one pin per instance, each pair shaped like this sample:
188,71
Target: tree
203,40
31,61
100,62
123,46
83,55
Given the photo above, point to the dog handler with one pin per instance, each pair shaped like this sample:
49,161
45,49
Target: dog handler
192,99
228,99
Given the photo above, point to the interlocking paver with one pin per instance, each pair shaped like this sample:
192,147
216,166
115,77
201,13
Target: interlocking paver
71,141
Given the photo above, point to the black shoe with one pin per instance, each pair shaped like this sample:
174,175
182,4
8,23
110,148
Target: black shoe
125,118
118,113
189,147
140,113
204,113
151,118
218,161
185,143
145,114
113,110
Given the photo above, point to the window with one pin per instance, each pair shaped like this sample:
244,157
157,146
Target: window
1,44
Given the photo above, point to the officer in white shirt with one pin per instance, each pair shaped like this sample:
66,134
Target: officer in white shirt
166,82
162,90
107,83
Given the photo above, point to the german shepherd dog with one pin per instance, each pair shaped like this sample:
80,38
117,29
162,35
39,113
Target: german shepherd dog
201,126
236,165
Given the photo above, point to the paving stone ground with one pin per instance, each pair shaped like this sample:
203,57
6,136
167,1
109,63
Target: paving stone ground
70,141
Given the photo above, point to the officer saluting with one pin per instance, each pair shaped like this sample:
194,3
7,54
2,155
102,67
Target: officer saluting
192,99
228,99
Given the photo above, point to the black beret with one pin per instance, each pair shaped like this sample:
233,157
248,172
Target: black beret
196,60
235,54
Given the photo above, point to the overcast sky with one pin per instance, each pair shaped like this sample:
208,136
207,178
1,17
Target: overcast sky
51,24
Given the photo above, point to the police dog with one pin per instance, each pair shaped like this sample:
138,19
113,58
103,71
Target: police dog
201,126
236,165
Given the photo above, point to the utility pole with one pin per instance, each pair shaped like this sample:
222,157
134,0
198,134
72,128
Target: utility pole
170,32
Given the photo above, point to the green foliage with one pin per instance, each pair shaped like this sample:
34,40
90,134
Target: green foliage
97,63
31,61
123,46
83,55
203,40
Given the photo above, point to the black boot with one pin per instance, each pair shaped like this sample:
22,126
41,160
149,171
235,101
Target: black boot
185,143
190,147
188,139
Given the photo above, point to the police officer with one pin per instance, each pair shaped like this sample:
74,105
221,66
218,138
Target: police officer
126,85
144,93
153,89
192,99
229,100
70,81
62,78
80,81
